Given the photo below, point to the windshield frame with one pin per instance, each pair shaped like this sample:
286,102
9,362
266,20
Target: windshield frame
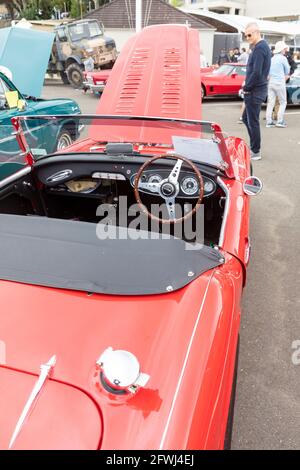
215,129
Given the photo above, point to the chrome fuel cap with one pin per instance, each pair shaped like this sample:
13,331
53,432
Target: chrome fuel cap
120,371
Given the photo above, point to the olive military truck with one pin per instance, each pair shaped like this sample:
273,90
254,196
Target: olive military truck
76,42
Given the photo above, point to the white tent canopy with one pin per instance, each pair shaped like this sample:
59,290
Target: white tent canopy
240,22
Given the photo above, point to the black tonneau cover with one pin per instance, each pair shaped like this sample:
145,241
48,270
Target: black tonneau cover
68,255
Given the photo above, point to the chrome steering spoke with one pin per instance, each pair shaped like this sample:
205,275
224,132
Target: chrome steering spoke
170,203
153,187
173,176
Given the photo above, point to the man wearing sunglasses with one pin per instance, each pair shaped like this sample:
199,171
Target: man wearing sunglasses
256,86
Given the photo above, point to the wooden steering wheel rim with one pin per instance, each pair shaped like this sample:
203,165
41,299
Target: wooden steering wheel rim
137,193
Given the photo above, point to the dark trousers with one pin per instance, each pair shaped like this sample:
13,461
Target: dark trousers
253,102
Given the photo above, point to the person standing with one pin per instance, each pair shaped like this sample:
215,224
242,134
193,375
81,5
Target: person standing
203,61
236,55
243,58
292,63
256,86
231,55
223,57
279,73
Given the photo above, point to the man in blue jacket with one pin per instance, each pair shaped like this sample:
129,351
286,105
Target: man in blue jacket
256,86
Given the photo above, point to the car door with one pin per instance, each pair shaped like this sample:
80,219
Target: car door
227,82
11,104
240,71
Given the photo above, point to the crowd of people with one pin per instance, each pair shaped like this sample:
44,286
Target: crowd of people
234,55
268,70
241,56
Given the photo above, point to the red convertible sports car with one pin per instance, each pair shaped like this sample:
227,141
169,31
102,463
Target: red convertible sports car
226,80
123,261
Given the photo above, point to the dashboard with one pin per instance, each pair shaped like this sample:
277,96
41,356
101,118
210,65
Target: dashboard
77,175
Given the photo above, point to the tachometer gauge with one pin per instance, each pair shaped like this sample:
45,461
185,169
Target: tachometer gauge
208,186
189,186
155,179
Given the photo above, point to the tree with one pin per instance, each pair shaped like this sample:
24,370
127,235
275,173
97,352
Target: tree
176,3
78,7
35,9
14,6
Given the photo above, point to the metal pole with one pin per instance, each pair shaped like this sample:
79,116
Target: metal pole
138,15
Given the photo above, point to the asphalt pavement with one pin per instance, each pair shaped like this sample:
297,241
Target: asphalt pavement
267,410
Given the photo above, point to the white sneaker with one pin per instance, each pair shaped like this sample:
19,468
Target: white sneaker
255,156
281,124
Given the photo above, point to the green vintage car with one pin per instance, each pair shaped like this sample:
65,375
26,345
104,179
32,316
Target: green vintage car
43,138
293,88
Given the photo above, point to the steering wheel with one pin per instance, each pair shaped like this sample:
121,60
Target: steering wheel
167,189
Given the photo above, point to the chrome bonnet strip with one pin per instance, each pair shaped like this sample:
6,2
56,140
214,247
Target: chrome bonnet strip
46,370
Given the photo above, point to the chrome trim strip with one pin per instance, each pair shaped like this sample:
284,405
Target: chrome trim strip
108,176
59,176
18,174
193,334
46,370
226,209
13,134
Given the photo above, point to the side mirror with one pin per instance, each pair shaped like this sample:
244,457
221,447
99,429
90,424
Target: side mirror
234,75
252,186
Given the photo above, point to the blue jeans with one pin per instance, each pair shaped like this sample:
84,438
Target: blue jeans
253,102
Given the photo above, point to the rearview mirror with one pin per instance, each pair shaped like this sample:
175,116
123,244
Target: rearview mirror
252,186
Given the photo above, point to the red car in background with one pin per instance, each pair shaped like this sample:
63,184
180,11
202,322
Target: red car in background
226,80
95,81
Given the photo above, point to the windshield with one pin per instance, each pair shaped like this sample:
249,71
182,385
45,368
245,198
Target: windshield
86,30
197,140
223,70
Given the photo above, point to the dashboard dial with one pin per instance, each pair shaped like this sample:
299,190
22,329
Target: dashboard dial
155,179
190,186
208,186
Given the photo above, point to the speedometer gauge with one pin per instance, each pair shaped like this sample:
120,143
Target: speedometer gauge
190,186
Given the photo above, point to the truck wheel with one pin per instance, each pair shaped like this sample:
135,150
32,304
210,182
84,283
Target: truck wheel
75,75
64,139
64,78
